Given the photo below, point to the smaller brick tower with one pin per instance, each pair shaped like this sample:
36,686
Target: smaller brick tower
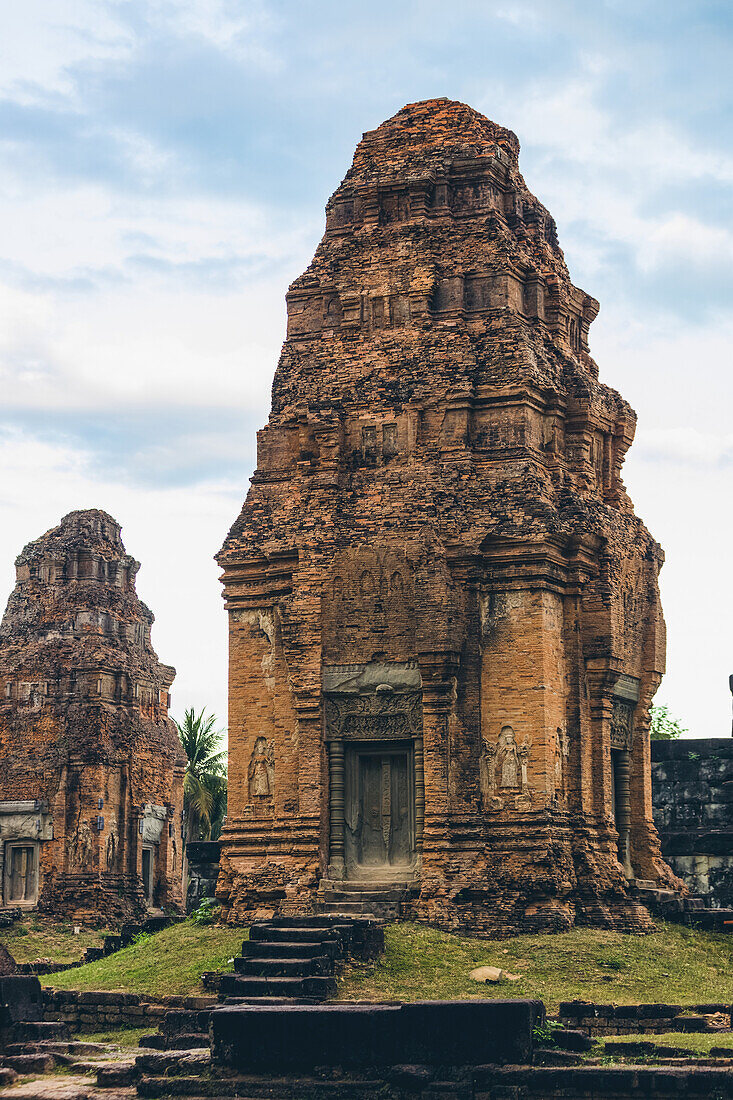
91,784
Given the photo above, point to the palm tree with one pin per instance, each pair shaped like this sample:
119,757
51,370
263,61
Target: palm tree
205,779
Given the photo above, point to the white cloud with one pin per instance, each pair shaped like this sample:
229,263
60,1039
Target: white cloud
42,40
239,27
159,301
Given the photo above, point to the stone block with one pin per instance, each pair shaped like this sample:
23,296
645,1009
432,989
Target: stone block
20,997
261,1038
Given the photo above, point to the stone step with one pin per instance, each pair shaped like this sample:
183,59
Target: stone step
346,893
365,886
31,1030
30,1063
278,967
388,910
8,1076
317,987
307,949
317,920
186,1062
76,1047
153,1042
186,1020
191,1041
253,1088
117,1075
290,934
347,907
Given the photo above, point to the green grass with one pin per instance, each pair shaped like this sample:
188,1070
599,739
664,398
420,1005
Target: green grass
695,1043
168,963
119,1036
674,965
36,937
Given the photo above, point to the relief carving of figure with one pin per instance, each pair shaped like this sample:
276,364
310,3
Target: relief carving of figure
80,847
110,851
261,773
508,757
561,752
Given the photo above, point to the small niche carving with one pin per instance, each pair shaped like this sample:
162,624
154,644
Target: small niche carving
369,441
397,584
261,772
367,585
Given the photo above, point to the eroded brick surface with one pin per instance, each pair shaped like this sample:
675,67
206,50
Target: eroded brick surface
438,513
92,767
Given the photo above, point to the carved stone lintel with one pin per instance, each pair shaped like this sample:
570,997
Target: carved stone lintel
373,716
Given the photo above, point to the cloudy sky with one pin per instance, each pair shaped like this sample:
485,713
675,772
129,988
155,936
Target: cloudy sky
164,166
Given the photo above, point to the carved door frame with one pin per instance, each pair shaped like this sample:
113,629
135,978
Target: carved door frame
371,717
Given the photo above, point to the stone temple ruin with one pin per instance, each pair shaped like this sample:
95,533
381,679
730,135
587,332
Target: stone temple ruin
91,783
445,627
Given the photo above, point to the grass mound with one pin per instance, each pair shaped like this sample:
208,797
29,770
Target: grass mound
676,965
167,963
696,1043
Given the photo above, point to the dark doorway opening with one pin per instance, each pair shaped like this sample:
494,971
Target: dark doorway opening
147,869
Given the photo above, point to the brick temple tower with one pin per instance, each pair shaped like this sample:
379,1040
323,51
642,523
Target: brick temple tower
91,782
445,628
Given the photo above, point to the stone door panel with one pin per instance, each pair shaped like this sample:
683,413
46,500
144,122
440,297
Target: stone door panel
21,874
379,809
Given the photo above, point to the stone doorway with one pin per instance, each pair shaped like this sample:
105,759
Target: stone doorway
148,865
21,874
379,809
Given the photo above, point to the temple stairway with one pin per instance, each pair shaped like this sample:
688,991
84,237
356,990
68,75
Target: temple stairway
297,957
379,898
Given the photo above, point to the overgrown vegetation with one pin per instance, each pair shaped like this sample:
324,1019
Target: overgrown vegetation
207,912
38,937
120,1036
696,1043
